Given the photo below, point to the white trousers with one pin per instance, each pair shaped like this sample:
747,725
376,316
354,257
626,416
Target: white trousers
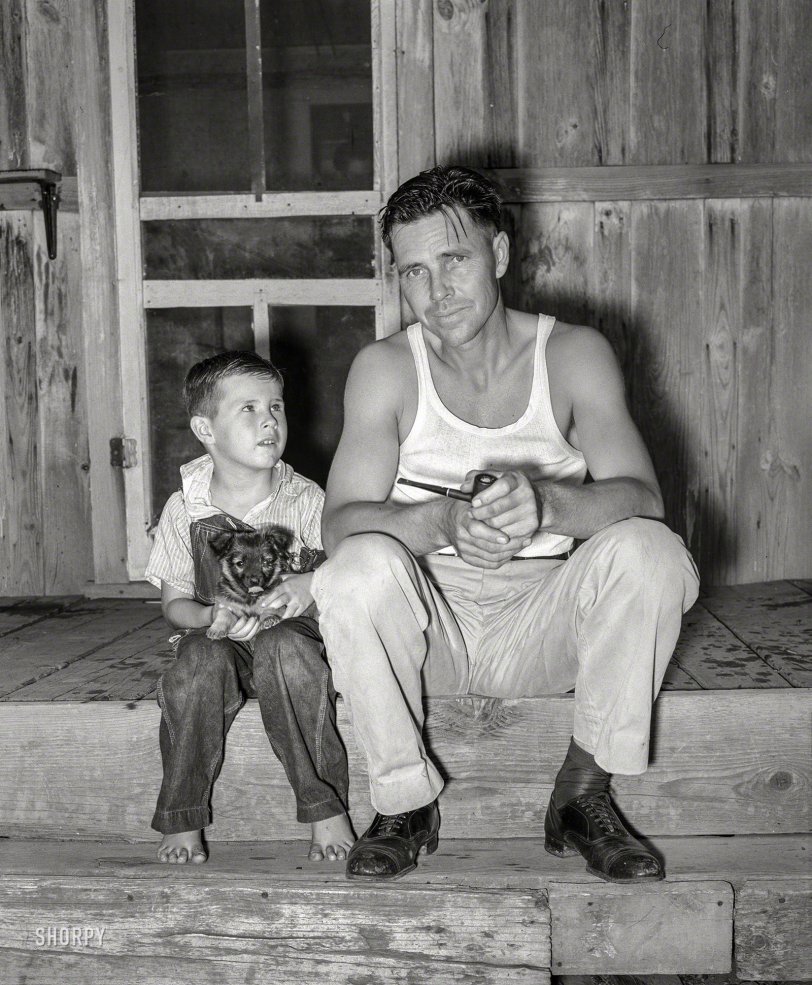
604,622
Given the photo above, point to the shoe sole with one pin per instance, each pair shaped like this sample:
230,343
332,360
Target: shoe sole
429,848
625,882
560,849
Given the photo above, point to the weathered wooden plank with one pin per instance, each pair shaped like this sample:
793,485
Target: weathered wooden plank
49,87
33,653
678,679
567,117
717,658
611,279
720,67
256,130
72,969
20,503
128,590
28,195
99,299
775,620
656,182
415,68
285,930
757,46
749,774
553,252
18,612
216,293
668,83
126,670
475,112
788,459
13,108
273,205
667,372
793,62
719,407
61,388
773,942
752,522
468,863
642,929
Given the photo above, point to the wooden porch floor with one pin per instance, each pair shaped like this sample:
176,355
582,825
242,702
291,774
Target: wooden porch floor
725,802
77,649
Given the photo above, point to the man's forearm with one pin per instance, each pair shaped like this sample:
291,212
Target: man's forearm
422,528
581,511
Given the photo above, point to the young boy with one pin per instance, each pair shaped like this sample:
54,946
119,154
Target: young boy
235,403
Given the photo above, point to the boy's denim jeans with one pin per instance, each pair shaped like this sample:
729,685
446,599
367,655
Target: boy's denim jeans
200,695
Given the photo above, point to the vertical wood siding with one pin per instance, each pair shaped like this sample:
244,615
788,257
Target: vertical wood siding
45,533
706,301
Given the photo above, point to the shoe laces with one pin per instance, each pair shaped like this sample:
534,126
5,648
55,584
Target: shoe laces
392,824
600,811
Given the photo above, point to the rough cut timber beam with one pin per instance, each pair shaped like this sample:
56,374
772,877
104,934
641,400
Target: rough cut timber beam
654,182
270,206
235,293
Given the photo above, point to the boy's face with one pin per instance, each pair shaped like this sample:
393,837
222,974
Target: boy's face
249,428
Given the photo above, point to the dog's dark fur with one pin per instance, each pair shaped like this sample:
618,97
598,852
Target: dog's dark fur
254,559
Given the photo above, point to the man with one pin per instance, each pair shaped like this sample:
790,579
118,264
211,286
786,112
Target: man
429,595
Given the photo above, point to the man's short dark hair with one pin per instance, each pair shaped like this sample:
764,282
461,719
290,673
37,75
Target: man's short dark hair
447,187
201,386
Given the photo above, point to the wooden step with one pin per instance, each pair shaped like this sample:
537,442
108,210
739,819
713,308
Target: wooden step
724,762
482,911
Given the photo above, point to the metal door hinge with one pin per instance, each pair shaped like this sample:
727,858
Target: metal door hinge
123,453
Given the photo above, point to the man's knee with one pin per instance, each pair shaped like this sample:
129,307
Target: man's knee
361,567
648,550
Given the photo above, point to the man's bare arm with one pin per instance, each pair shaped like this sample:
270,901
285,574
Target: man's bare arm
365,466
625,484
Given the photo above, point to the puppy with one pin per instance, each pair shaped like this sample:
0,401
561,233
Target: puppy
251,564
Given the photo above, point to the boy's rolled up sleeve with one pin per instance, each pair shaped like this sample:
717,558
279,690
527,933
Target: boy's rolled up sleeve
170,559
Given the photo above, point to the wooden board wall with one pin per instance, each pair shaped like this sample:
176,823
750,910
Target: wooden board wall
705,300
56,314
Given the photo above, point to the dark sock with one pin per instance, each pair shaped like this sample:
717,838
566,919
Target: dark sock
580,774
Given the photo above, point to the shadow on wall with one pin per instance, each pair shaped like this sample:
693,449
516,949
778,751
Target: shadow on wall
692,507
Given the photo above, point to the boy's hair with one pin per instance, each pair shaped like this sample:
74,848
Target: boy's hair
201,386
448,187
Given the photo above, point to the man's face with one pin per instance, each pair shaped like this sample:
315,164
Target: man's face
249,428
449,270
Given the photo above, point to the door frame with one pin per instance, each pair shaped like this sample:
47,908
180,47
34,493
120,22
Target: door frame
136,294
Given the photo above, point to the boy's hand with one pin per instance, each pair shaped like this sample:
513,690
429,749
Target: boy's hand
224,623
244,629
291,597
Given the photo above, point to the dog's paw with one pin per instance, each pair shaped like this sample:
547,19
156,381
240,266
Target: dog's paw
216,632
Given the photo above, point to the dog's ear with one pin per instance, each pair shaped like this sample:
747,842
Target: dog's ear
277,539
221,542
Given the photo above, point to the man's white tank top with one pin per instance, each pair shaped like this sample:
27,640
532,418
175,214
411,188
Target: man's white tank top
441,448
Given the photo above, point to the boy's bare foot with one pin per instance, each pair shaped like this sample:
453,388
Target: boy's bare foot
331,839
185,846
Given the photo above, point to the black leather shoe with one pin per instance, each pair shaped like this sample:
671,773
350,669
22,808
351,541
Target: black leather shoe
588,825
388,849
